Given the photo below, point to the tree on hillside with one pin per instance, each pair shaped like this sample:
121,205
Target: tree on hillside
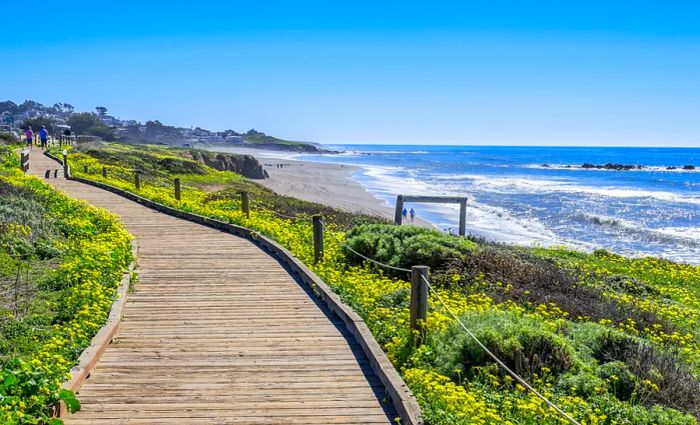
30,105
9,106
101,110
88,123
38,122
156,131
63,108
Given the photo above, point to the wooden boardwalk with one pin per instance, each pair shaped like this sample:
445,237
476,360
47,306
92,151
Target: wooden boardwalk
217,332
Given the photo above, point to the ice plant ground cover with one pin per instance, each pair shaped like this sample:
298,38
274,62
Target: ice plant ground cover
60,264
610,340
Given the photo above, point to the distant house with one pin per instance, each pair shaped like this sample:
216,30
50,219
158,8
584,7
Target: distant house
236,140
200,132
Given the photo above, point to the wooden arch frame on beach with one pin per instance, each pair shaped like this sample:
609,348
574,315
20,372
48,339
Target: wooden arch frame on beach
461,200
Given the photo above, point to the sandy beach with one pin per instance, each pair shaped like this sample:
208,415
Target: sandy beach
328,184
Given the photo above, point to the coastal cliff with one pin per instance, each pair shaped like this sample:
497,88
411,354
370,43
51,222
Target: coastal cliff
245,165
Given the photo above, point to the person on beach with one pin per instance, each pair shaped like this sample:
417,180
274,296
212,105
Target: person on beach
404,213
413,215
30,136
43,136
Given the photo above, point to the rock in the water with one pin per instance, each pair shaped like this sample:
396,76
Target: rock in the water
611,166
688,167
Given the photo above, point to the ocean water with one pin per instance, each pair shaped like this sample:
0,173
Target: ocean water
513,198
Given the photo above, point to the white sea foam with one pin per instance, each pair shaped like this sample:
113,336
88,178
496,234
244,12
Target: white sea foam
492,222
383,182
689,233
509,185
665,234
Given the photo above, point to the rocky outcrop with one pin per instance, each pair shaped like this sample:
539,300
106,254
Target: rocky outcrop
245,165
622,167
611,166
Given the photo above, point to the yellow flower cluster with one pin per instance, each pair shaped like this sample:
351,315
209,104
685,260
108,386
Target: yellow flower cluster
96,253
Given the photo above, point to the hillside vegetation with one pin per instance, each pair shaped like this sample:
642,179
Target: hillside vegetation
610,340
60,264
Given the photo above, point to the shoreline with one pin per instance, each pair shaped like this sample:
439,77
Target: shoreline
325,183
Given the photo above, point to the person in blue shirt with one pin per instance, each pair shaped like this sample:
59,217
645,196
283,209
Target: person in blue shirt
404,213
43,136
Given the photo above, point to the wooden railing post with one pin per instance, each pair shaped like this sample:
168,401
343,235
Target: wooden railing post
23,161
399,210
245,204
463,217
66,169
177,188
318,238
419,300
137,179
104,171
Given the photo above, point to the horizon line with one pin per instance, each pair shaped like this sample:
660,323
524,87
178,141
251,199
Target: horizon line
514,146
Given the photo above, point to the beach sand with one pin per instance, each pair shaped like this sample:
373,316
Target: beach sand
324,183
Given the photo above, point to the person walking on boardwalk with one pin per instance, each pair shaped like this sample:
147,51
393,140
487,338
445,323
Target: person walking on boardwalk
30,136
413,215
43,136
404,213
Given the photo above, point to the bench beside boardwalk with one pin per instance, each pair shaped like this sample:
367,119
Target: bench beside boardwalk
218,332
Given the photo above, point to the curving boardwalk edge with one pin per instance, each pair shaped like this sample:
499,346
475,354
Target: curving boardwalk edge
402,399
91,355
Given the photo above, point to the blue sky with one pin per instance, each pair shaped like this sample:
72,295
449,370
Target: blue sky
497,72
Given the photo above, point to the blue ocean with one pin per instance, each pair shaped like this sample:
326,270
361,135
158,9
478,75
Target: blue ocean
542,195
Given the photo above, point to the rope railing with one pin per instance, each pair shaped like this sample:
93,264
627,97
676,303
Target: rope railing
261,206
515,376
508,370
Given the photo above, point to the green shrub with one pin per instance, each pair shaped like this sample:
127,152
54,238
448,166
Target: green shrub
641,372
521,343
406,246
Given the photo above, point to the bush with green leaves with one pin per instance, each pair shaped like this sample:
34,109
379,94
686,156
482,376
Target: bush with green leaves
406,246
